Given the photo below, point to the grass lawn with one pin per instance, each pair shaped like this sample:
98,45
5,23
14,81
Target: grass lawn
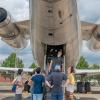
5,84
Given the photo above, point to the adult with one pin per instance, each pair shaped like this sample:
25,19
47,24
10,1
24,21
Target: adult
56,61
70,85
31,87
44,73
37,81
19,84
56,78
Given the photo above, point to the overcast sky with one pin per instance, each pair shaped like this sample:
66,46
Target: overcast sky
89,11
19,10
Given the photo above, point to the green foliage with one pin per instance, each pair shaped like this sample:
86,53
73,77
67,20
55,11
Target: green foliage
12,61
33,65
95,66
83,64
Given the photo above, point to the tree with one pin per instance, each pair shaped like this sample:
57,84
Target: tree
95,66
33,65
83,64
12,61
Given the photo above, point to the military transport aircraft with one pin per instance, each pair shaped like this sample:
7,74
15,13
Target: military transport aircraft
53,25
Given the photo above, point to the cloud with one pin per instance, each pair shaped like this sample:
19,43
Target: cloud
91,57
1,43
27,58
5,49
24,54
98,21
18,9
89,10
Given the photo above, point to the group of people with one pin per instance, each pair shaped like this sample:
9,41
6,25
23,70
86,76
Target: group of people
55,79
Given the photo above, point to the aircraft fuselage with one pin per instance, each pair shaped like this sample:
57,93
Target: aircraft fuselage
54,23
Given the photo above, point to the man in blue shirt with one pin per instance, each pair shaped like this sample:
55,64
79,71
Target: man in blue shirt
37,81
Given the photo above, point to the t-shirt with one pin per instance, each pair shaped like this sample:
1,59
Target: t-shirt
56,79
71,78
37,84
56,61
19,89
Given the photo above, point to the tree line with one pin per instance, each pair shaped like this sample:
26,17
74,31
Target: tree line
13,61
83,64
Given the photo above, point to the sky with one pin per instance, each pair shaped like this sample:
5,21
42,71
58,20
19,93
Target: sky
19,10
89,10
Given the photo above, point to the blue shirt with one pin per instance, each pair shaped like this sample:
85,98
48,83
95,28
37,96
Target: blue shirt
37,84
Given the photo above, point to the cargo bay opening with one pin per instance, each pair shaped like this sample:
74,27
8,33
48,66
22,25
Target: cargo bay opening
51,52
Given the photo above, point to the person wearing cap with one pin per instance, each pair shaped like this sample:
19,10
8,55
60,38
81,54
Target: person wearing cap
56,78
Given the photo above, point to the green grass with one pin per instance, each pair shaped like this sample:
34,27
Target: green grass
5,84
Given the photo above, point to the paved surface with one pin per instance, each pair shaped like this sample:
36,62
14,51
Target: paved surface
94,95
87,99
81,97
12,98
87,96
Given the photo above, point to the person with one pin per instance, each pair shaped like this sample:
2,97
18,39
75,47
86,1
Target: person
37,81
70,84
44,73
31,87
56,61
19,84
26,86
56,79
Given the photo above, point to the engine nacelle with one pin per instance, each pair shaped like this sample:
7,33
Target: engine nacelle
10,32
94,42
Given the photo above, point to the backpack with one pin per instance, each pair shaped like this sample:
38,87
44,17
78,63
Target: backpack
14,88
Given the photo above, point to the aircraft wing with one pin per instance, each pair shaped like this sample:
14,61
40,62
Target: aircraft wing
91,33
23,26
87,30
15,34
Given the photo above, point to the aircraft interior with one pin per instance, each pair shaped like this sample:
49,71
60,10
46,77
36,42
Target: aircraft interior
51,52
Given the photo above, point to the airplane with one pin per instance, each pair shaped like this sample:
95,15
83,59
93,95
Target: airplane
53,25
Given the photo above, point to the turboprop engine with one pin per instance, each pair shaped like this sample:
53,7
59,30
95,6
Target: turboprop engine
94,42
10,32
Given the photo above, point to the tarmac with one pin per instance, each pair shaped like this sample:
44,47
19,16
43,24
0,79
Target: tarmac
6,94
10,96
